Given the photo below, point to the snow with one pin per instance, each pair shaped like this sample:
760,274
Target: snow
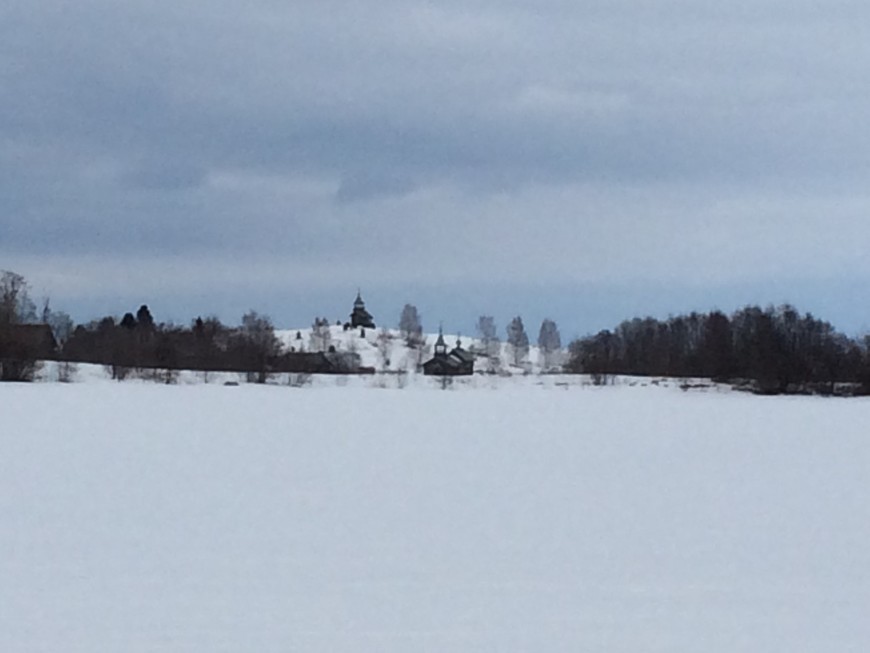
140,517
375,341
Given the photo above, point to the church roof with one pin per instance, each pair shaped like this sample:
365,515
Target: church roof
461,354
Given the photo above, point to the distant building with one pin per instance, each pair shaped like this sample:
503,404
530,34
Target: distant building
360,317
331,362
457,362
27,341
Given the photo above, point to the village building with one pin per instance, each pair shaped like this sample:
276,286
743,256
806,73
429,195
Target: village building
328,362
360,317
27,342
457,362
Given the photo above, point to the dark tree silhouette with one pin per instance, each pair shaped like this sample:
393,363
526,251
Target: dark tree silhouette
777,350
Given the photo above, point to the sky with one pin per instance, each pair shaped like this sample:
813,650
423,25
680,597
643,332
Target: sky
587,161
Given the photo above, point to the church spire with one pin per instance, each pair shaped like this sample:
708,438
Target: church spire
440,345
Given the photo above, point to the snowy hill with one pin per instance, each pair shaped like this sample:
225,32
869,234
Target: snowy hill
387,349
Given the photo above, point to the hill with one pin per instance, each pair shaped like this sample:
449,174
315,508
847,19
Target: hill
387,349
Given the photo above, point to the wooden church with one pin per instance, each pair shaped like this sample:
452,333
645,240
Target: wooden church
457,362
360,317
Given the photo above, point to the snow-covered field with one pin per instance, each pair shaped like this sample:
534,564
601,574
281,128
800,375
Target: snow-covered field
137,517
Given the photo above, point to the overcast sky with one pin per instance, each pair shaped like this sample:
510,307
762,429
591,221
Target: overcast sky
583,160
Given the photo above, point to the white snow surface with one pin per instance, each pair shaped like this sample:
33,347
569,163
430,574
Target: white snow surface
139,517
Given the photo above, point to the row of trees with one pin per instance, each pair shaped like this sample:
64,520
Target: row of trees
776,349
21,346
489,345
549,342
137,342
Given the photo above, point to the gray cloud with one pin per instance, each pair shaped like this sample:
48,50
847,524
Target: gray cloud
339,142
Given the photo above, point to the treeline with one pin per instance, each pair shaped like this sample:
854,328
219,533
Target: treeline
137,343
771,351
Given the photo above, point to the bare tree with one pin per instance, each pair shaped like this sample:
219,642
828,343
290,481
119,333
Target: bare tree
18,356
409,325
260,344
66,371
16,306
321,337
518,341
549,345
384,345
490,345
61,323
412,332
61,326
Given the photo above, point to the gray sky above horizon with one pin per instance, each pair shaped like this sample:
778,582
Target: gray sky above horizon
584,160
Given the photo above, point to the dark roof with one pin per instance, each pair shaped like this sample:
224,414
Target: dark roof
443,361
301,361
457,362
463,355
